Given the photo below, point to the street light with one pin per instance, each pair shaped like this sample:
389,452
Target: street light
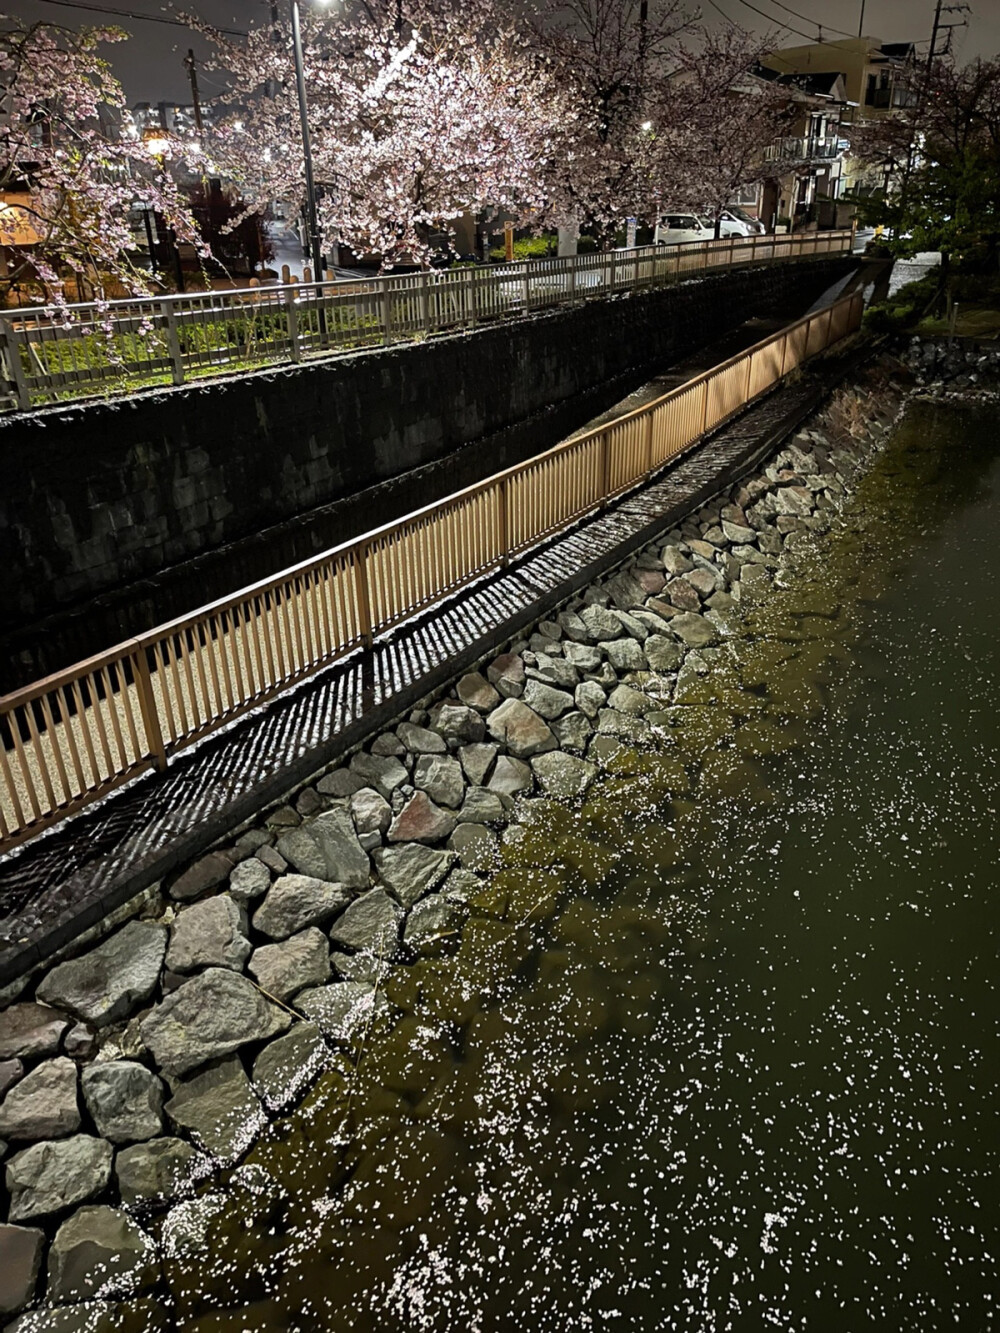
312,221
156,141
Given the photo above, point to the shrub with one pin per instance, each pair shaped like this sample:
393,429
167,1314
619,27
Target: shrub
533,247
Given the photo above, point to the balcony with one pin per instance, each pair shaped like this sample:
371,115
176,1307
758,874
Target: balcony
806,149
891,99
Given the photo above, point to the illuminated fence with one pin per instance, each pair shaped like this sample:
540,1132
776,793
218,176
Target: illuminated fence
134,344
73,737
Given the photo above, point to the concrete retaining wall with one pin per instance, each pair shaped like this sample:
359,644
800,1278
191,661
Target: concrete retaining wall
102,498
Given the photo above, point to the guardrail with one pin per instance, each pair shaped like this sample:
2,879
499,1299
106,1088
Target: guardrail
123,346
69,739
806,148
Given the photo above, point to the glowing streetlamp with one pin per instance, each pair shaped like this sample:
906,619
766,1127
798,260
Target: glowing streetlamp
157,141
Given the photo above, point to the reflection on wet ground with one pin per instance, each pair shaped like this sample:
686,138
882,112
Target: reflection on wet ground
717,1050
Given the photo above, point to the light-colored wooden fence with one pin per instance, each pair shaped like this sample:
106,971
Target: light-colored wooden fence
71,738
126,345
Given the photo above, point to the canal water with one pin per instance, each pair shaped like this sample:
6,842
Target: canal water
717,1051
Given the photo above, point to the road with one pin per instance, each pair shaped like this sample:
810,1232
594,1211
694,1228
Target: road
288,250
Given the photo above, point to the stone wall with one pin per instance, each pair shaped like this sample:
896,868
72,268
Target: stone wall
962,368
134,1071
102,496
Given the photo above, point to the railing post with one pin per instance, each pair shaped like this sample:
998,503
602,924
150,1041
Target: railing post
147,707
746,386
704,409
471,283
386,311
292,315
649,440
526,276
503,523
425,305
363,595
173,342
572,277
12,362
605,469
784,349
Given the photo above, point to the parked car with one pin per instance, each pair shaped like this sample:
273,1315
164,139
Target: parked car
676,228
737,222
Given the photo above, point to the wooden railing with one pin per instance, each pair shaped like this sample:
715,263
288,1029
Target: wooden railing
71,738
123,346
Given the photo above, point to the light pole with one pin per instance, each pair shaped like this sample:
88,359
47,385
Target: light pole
312,221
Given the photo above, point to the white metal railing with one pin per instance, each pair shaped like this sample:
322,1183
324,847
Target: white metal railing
123,346
806,148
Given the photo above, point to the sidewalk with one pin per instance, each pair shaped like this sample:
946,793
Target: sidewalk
288,250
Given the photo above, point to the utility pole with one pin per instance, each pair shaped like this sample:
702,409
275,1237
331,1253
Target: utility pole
195,98
934,32
939,9
924,89
312,222
861,20
643,39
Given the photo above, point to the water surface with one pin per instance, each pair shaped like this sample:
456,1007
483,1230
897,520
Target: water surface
719,1051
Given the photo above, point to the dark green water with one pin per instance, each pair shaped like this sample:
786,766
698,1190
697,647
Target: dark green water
719,1052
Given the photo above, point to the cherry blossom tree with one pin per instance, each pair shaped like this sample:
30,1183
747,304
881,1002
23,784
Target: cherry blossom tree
718,120
71,165
939,161
613,58
420,111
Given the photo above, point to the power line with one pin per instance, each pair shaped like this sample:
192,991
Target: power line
130,14
805,17
788,27
772,19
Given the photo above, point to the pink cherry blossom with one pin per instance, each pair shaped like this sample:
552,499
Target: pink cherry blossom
72,166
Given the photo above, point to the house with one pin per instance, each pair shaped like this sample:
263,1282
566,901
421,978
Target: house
873,78
811,155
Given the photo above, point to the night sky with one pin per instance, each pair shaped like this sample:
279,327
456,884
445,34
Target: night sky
149,65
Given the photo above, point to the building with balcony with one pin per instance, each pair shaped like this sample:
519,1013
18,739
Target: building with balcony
810,158
874,74
868,77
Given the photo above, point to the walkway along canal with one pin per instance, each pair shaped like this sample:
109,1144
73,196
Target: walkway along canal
711,1046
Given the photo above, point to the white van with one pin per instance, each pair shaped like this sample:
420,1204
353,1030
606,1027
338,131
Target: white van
673,228
737,222
676,228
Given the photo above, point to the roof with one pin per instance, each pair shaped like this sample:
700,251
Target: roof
898,50
817,85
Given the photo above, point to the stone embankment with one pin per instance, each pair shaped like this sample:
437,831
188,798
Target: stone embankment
963,370
137,1069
